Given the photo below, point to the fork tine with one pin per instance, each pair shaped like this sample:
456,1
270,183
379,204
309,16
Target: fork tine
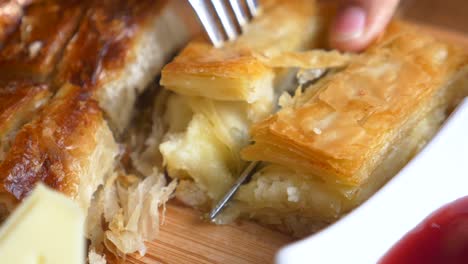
238,9
245,176
224,16
253,7
210,24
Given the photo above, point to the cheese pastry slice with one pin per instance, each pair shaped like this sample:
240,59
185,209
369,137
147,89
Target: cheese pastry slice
118,50
218,93
68,146
340,140
233,72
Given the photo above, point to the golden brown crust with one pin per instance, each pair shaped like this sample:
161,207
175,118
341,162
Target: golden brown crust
231,72
105,40
312,59
339,127
200,58
51,148
33,49
119,49
18,101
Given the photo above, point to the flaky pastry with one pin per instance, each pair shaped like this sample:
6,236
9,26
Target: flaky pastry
335,143
218,93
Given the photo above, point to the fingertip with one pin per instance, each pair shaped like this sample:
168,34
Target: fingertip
357,24
348,29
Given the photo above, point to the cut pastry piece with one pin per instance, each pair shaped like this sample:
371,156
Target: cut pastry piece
346,135
18,102
342,127
233,73
220,92
119,49
68,146
33,49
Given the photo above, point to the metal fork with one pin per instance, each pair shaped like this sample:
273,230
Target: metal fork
224,20
243,178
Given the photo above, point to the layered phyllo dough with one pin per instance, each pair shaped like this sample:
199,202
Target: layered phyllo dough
76,74
340,139
218,93
30,49
120,47
68,146
18,103
71,72
33,49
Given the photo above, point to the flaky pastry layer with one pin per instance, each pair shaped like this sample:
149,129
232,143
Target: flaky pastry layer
118,50
18,103
220,92
300,203
232,72
68,146
342,127
33,49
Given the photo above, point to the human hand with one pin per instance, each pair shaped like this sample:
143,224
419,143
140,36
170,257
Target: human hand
359,22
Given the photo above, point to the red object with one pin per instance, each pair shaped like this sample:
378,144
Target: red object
440,238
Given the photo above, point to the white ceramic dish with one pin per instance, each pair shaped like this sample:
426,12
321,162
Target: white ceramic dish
437,176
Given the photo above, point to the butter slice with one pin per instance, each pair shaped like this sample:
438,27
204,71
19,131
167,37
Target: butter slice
47,228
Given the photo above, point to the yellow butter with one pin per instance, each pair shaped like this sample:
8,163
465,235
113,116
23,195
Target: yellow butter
47,228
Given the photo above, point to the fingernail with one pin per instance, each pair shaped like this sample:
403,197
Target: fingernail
349,24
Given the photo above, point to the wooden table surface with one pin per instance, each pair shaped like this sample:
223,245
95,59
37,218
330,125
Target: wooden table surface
185,238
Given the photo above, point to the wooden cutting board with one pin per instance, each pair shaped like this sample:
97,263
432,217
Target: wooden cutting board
185,238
